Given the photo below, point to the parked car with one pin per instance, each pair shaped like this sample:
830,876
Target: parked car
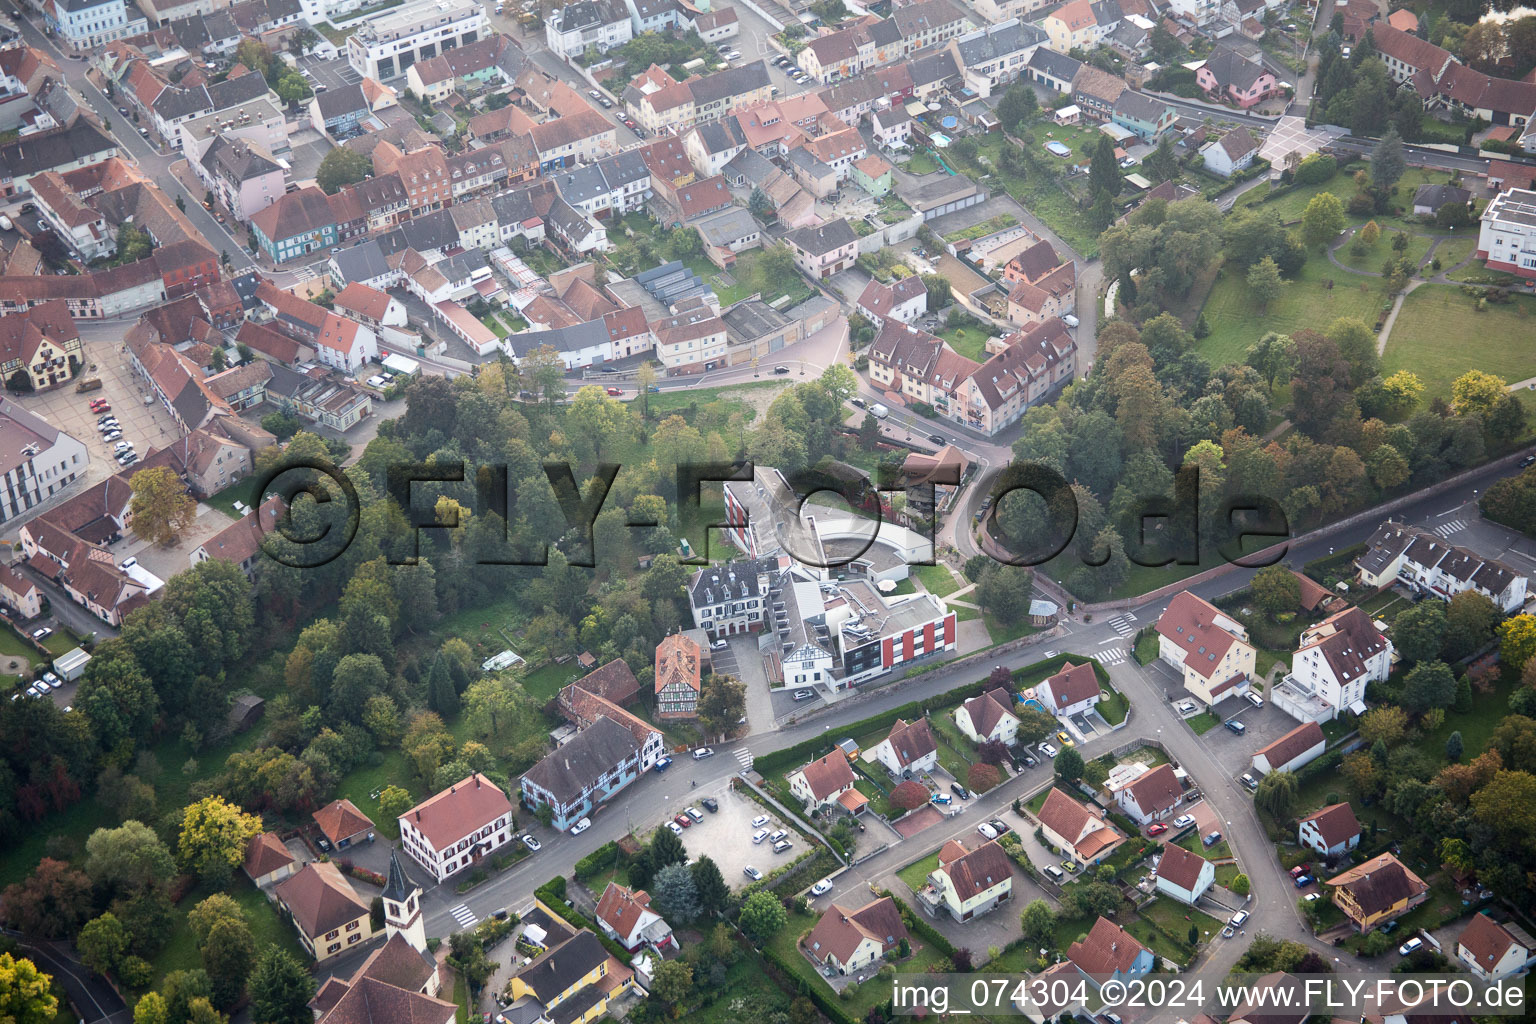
759,836
377,382
675,827
1066,740
695,814
783,846
1238,919
804,695
710,804
1070,320
1157,828
986,830
999,826
1302,881
38,634
1047,750
122,446
1212,839
822,887
752,872
1254,699
781,370
1300,869
760,821
662,765
859,403
943,798
100,405
938,439
1249,782
1529,460
1184,821
684,820
703,752
581,826
128,458
614,392
532,843
53,680
1236,726
959,791
1311,897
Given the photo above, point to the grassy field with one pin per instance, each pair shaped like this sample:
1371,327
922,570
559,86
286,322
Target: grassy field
1045,197
1305,302
1500,339
1202,723
968,341
916,874
1375,255
679,399
1194,845
924,958
936,579
747,991
748,280
1452,251
921,163
1001,633
181,953
1291,205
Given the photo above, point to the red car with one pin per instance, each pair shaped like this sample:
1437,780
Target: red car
683,820
615,392
100,405
1300,869
1156,829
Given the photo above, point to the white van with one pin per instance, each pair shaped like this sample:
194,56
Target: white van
1238,919
879,411
1055,873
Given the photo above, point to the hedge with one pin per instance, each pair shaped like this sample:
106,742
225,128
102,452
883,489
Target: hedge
552,895
822,995
922,929
1324,764
597,861
808,750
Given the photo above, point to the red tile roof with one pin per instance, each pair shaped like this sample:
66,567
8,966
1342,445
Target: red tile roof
1335,823
974,871
340,819
1157,790
320,899
1485,940
265,854
1107,949
1292,745
840,930
459,810
1072,684
1189,622
1180,867
828,775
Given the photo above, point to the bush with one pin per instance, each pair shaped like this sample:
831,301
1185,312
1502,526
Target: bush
598,860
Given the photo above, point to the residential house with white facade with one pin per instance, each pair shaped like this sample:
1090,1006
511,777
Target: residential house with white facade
1182,875
1330,832
1301,745
848,940
386,44
600,25
1494,951
1424,562
968,883
626,917
1153,796
1208,647
826,780
1334,662
1080,832
1072,691
988,717
909,750
455,828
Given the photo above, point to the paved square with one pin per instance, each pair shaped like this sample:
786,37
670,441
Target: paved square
726,835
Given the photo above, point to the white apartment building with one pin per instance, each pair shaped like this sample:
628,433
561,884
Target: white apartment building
587,24
89,24
36,460
451,831
1335,661
388,43
1428,565
1507,237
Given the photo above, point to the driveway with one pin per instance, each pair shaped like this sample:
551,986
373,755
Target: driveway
176,557
1263,726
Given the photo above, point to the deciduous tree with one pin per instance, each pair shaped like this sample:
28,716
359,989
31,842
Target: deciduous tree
1275,589
26,995
214,835
1322,220
1474,393
162,508
280,989
762,916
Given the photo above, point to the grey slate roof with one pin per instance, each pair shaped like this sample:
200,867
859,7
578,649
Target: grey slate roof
341,101
361,262
748,165
569,770
730,82
24,157
998,41
1056,65
237,160
719,136
727,226
822,239
1140,106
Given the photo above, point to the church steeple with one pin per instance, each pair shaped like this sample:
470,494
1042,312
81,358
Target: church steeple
402,906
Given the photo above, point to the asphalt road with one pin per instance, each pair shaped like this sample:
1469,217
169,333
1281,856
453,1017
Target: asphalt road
92,997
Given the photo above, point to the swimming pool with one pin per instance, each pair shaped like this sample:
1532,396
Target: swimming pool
1032,703
1059,148
950,121
939,139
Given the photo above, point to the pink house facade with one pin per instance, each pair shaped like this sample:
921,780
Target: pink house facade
1231,78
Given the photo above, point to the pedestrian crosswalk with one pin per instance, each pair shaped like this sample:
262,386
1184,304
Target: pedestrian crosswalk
1125,625
743,757
463,915
1454,526
1113,657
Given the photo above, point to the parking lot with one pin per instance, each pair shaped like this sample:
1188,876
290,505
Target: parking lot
726,836
331,73
146,426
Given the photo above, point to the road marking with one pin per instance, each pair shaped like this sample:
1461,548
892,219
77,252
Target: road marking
1123,625
1454,526
1448,512
1114,657
743,756
463,915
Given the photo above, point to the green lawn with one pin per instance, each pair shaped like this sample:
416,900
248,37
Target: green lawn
1114,709
1500,340
1488,710
748,280
1452,251
12,645
1193,844
267,928
494,323
872,994
1291,205
1044,195
996,224
1375,255
936,579
1305,302
680,399
1001,633
916,874
1147,649
542,684
1202,723
968,341
964,614
362,783
225,500
1175,917
921,163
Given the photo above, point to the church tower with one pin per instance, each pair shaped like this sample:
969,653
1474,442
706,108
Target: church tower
402,907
